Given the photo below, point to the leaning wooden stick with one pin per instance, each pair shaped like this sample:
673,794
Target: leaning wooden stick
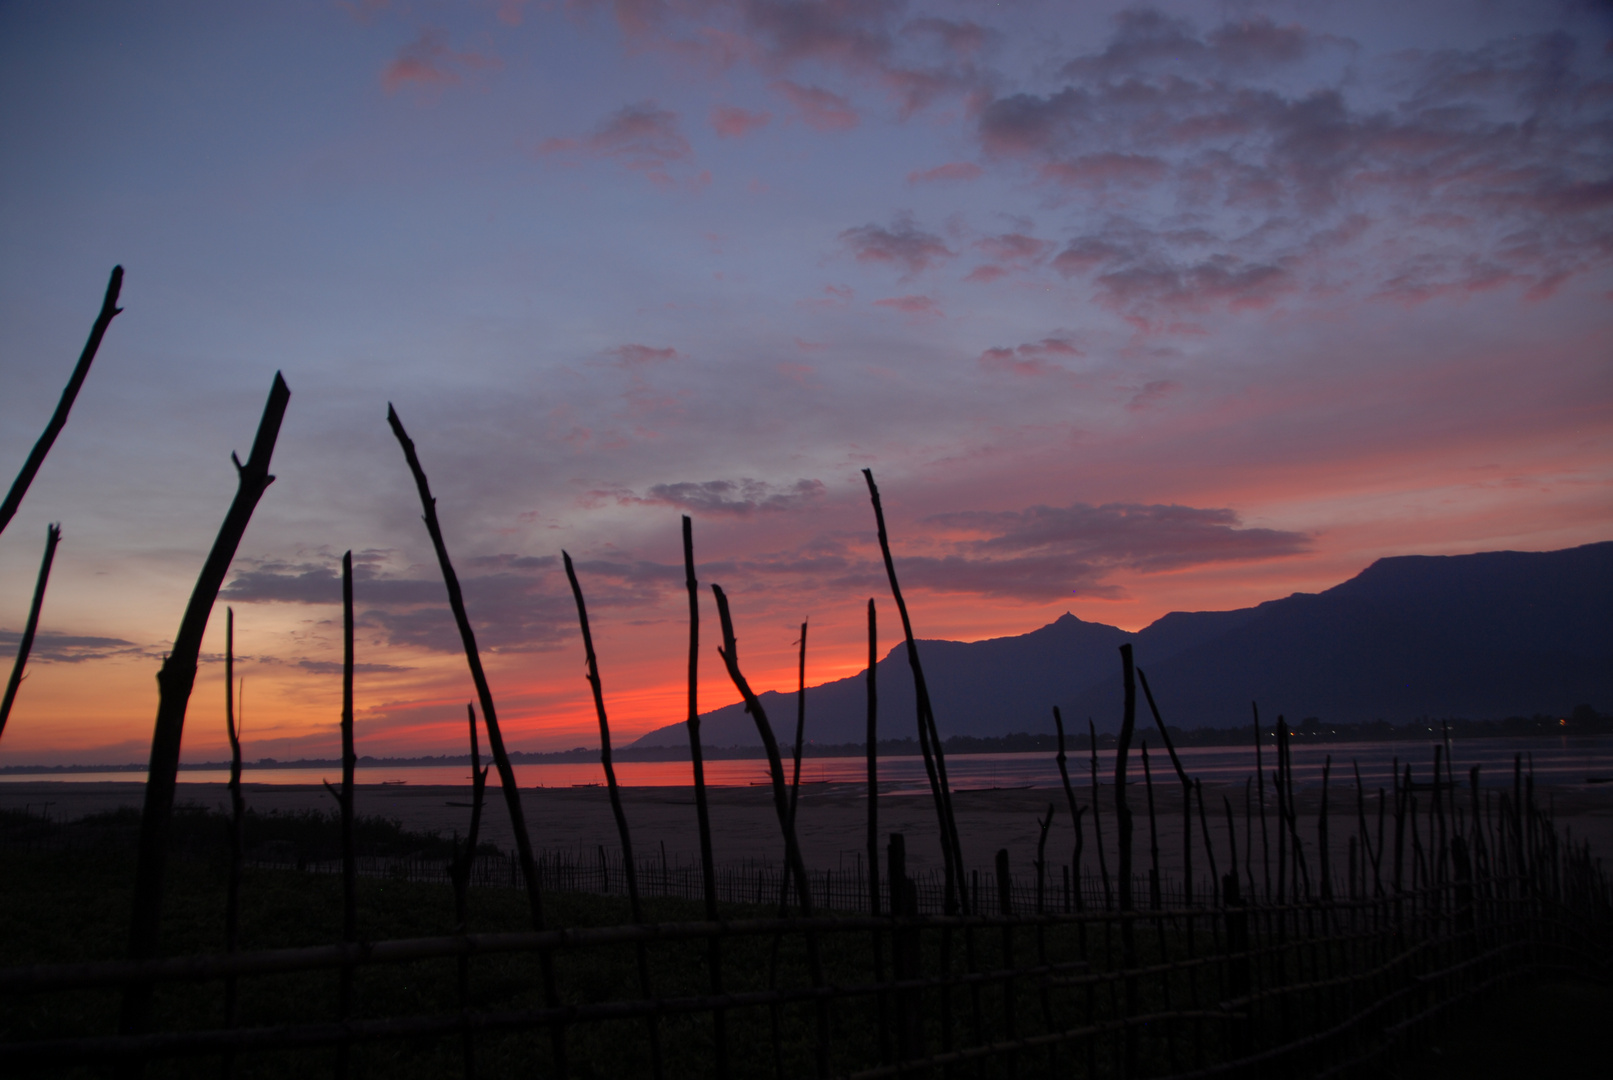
1187,793
53,536
629,867
495,737
344,800
1128,721
708,870
929,734
729,651
232,897
1075,811
174,683
1097,819
464,865
58,420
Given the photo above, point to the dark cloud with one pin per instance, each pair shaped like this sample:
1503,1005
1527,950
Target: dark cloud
742,496
850,33
1032,358
820,109
515,603
1484,167
334,667
430,62
1134,536
53,648
642,137
1036,555
904,244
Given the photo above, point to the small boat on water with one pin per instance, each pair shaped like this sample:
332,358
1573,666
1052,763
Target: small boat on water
393,783
588,785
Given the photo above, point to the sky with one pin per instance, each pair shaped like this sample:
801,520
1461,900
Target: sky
1130,309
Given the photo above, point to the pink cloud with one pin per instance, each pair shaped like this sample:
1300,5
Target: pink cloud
510,13
919,306
986,273
903,244
643,137
820,109
1015,247
952,170
848,33
1151,394
963,40
731,122
428,61
1031,359
1105,170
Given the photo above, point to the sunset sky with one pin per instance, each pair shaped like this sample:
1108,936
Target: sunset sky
1130,308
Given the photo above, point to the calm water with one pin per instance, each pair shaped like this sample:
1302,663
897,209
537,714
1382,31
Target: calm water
1556,761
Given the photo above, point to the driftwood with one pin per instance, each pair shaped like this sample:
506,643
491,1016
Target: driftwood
58,419
53,536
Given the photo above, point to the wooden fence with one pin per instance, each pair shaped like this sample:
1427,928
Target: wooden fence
1315,985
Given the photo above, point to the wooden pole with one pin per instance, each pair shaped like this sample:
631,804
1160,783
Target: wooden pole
1097,820
1260,779
58,419
1075,811
629,864
708,867
53,536
781,805
1187,793
232,895
175,681
929,734
495,737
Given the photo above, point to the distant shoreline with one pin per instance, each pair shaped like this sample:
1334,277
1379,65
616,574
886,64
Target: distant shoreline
1310,730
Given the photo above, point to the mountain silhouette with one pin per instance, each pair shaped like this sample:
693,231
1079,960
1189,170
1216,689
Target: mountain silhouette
1479,636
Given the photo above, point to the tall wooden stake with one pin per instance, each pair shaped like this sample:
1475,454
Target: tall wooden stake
929,734
175,682
58,419
495,737
629,865
1075,811
708,868
53,536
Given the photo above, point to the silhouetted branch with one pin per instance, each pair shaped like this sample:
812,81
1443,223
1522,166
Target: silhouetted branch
53,536
232,898
629,864
495,737
929,734
174,682
1075,811
708,868
58,419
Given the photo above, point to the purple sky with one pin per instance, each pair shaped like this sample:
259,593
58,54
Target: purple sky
1130,308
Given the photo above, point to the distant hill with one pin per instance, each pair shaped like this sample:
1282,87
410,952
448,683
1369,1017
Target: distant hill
1481,636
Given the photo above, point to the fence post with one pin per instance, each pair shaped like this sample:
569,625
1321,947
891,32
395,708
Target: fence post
1237,927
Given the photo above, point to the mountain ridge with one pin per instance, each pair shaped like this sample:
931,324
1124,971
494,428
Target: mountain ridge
1483,635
